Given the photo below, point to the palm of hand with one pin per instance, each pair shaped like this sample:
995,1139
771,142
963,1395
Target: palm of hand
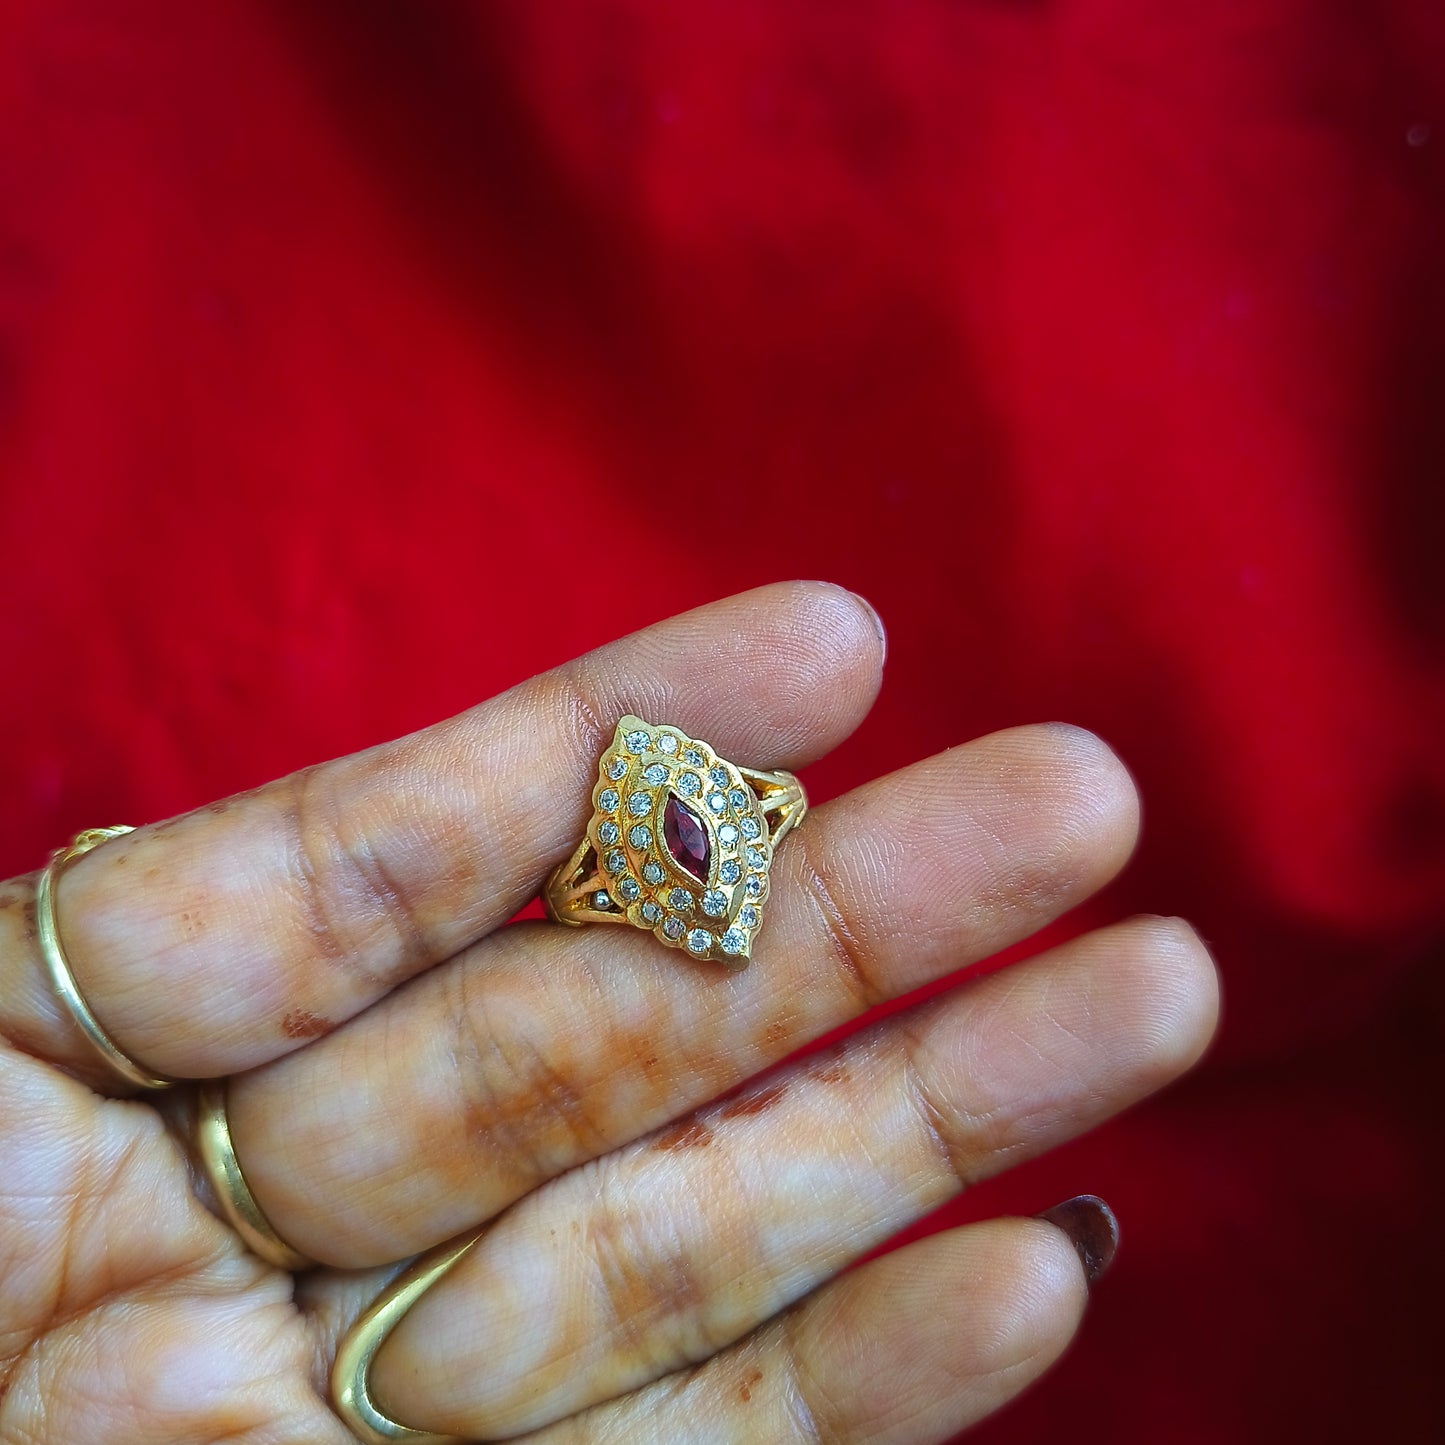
641,1277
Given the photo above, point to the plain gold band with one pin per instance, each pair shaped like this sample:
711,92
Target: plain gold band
63,980
350,1375
233,1194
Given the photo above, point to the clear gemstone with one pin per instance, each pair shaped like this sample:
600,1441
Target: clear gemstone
679,898
628,891
689,785
652,872
615,861
686,838
666,743
651,912
727,835
608,834
655,773
716,802
674,927
693,758
601,900
738,798
748,916
699,941
728,871
755,856
714,903
750,827
639,804
734,941
755,887
617,768
607,800
637,740
719,777
640,835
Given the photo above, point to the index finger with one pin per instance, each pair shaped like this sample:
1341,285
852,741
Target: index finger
224,938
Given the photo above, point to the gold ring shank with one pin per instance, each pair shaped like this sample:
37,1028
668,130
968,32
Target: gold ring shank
58,966
233,1194
351,1373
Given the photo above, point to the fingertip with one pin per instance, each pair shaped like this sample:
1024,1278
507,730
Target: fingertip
1187,980
1097,775
831,611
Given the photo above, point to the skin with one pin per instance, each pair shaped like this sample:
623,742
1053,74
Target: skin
667,1230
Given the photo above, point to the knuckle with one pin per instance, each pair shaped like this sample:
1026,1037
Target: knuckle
353,909
837,930
814,1416
515,1096
647,1276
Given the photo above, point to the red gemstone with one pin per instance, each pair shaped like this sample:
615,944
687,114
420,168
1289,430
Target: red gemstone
686,838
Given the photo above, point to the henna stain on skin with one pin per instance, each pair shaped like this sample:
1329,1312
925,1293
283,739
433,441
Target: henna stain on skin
830,1067
645,1286
745,1389
686,1134
776,1034
301,1023
30,932
758,1103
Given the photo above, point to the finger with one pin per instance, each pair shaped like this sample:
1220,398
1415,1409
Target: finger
662,1254
544,1046
909,1349
224,938
128,1313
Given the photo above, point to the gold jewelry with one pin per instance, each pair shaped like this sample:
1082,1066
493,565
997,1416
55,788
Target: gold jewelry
233,1194
350,1375
62,979
680,843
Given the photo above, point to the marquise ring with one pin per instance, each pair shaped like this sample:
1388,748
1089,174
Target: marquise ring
680,843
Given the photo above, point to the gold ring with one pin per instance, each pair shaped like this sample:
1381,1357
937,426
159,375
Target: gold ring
680,843
233,1194
351,1373
62,979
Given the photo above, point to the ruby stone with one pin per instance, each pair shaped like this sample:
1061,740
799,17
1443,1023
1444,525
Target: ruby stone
686,838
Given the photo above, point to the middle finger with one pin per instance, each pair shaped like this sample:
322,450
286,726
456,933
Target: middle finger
544,1047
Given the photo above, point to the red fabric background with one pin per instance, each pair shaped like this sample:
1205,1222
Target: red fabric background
1099,342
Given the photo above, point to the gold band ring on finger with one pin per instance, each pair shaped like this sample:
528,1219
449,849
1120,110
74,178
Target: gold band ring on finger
680,843
233,1195
62,980
351,1372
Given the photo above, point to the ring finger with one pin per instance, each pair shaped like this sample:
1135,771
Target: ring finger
545,1047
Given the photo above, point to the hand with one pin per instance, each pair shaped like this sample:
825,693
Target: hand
403,1068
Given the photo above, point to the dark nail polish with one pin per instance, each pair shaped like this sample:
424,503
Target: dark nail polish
1092,1230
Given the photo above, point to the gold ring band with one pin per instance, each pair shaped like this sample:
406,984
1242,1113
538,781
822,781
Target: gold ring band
351,1373
233,1194
63,980
680,843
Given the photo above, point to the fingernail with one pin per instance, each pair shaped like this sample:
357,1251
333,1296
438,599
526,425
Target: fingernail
877,623
1092,1230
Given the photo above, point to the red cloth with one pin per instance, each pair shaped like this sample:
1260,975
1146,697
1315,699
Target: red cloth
1099,342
